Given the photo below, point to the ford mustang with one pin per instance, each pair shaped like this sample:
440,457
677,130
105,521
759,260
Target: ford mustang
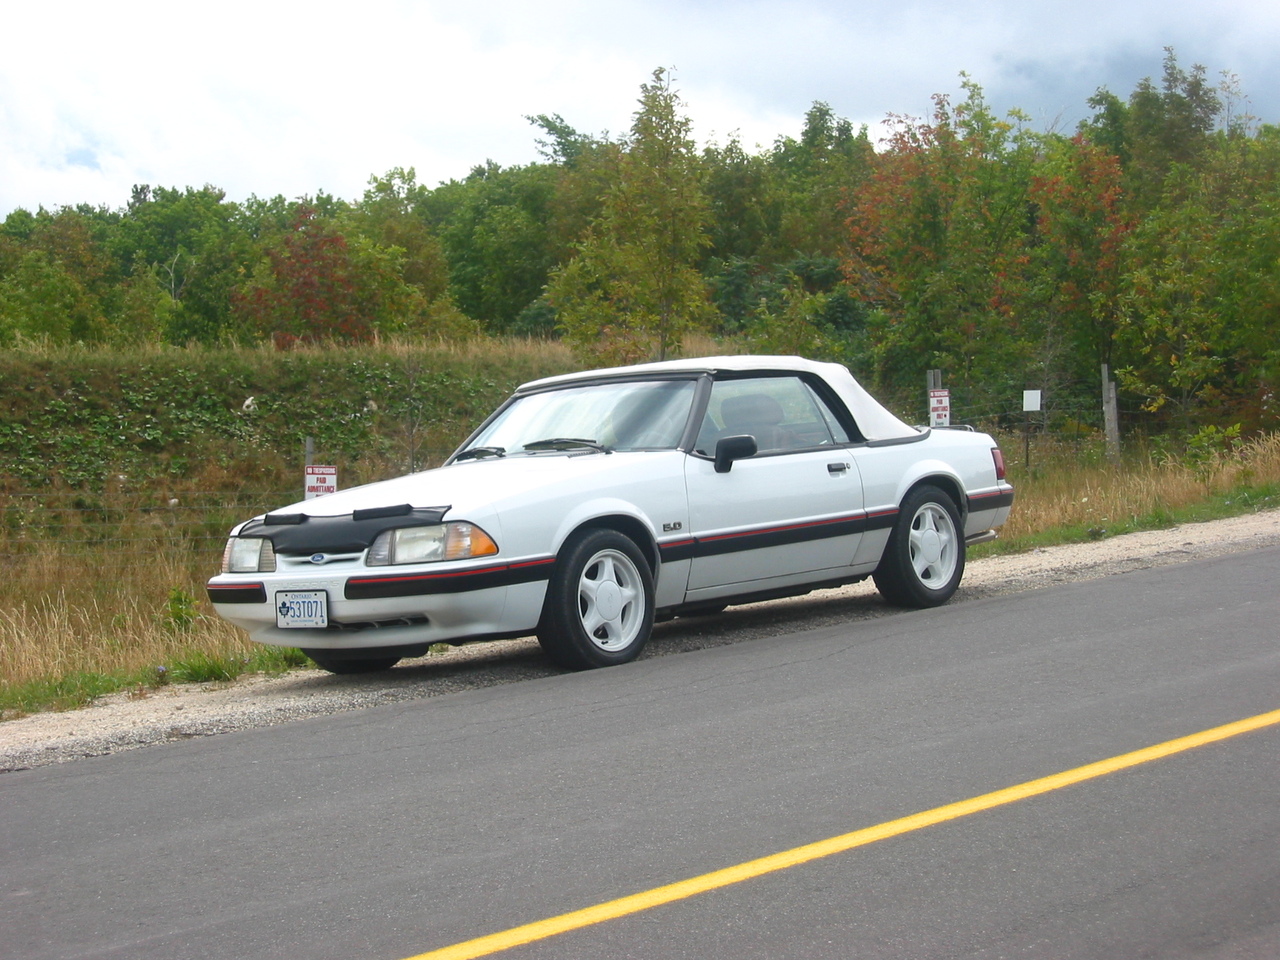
591,504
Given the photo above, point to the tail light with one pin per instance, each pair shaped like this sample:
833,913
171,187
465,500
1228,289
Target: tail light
998,458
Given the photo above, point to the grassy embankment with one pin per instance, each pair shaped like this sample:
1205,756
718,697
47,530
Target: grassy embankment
120,474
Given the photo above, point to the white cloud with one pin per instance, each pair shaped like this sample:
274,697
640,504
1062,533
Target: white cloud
289,97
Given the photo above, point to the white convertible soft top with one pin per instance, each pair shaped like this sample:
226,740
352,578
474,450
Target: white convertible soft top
875,422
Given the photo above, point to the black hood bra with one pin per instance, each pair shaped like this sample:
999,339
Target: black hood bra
300,533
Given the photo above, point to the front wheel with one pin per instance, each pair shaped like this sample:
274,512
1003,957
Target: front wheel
599,607
924,559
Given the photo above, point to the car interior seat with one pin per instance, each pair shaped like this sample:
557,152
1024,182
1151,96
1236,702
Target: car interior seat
759,415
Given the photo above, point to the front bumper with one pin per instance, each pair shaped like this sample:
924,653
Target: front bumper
411,606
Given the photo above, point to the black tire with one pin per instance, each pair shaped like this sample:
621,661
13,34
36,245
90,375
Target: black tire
599,606
336,663
924,558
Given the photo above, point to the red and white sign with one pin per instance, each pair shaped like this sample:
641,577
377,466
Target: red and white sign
939,408
321,480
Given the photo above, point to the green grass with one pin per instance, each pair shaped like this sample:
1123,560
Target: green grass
62,693
81,688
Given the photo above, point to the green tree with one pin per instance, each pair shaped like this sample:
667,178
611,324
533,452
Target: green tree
1170,325
938,246
744,206
1201,295
499,241
794,326
813,178
633,290
306,287
144,309
1246,178
41,300
61,280
1159,127
196,246
564,145
390,216
1081,226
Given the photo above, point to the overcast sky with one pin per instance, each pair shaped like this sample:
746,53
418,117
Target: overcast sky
290,98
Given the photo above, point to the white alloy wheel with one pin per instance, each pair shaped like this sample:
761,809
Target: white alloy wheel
933,545
611,600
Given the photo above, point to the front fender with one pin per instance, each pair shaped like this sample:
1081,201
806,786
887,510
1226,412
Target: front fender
587,513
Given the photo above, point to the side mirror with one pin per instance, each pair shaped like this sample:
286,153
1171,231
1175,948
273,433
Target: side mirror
729,449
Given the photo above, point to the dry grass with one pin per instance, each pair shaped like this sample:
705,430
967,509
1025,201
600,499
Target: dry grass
1073,491
103,592
62,634
125,607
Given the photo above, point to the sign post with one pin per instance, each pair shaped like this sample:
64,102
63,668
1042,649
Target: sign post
1030,405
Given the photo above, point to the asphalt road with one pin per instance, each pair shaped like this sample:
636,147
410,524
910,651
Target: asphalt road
392,831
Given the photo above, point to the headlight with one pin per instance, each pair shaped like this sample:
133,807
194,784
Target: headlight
249,555
445,541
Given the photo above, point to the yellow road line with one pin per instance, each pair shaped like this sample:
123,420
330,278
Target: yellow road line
542,929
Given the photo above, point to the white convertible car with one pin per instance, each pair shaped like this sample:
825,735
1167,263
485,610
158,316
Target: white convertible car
591,504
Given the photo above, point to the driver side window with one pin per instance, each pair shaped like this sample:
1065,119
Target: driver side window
782,413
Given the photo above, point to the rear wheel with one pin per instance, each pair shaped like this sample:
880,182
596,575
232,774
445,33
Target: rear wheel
334,662
924,559
599,607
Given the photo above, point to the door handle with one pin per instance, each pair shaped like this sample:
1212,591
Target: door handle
834,468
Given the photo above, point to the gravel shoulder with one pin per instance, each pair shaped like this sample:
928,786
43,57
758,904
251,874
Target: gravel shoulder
130,720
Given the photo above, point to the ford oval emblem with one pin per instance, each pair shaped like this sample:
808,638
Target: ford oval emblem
318,558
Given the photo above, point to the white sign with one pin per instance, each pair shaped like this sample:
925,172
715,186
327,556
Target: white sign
321,480
1030,401
939,408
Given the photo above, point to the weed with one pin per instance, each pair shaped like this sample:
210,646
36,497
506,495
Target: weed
200,666
179,611
276,659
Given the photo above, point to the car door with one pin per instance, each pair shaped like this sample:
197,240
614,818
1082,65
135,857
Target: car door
791,513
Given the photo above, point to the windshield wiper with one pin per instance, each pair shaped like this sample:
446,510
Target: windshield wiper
476,453
565,443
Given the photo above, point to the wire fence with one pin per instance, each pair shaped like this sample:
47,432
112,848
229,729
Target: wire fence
167,517
193,522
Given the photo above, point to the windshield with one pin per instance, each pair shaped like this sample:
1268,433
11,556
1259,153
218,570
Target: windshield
637,415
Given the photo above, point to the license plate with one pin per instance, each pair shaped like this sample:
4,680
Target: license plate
302,609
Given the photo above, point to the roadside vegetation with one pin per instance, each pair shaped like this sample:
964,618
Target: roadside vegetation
104,581
121,471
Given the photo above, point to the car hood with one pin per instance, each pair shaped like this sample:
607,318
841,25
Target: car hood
474,484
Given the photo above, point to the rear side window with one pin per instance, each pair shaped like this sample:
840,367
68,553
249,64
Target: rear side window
782,413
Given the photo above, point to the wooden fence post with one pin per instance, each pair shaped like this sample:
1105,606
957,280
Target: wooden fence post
1110,416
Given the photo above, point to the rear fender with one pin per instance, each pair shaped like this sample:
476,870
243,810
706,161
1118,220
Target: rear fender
940,475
